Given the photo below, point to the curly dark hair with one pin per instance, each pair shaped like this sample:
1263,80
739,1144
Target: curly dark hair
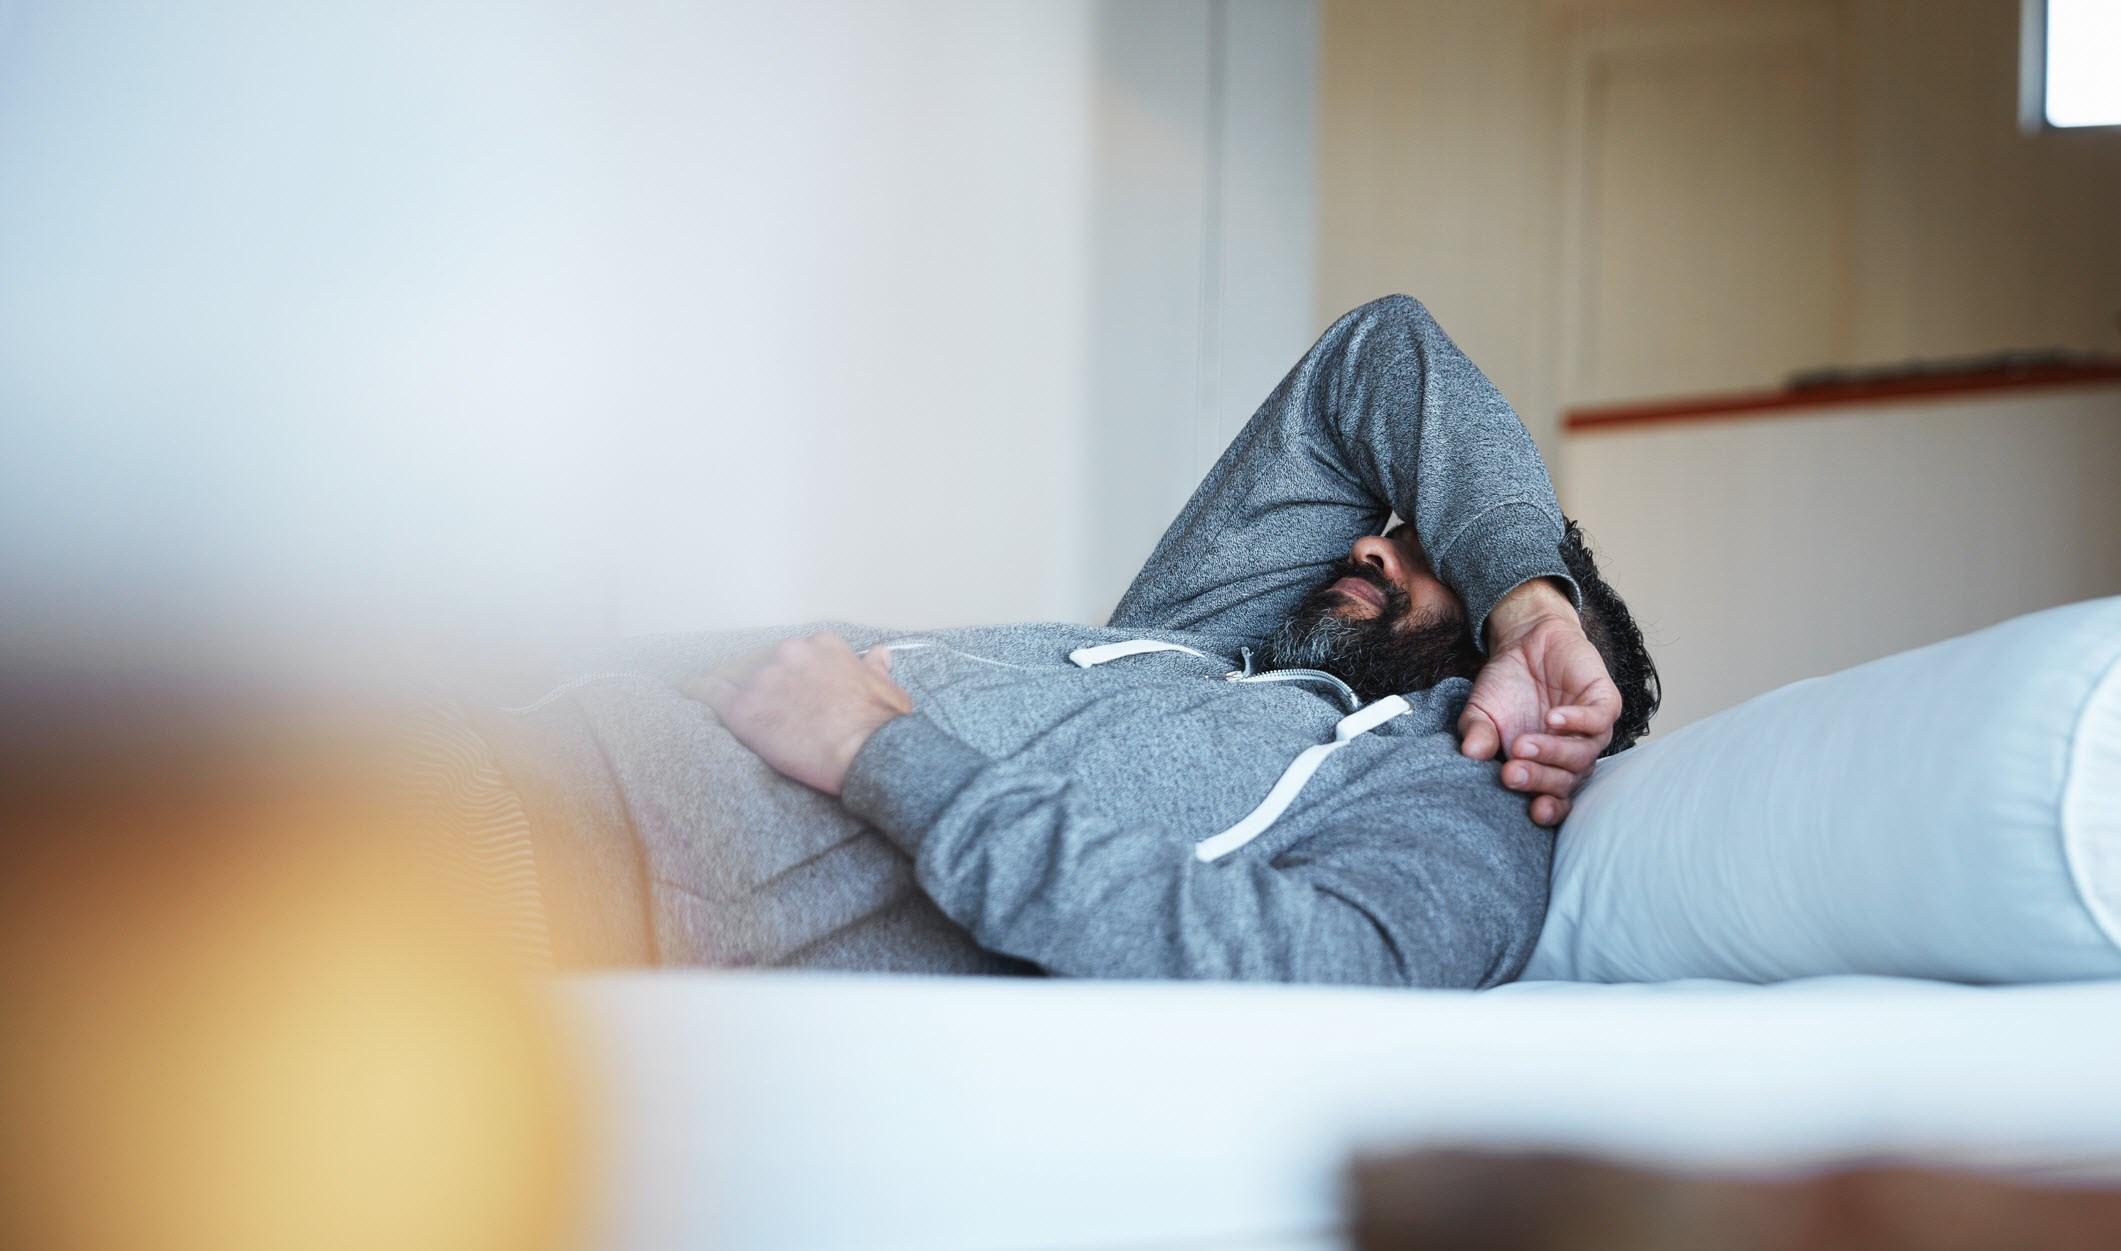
1612,630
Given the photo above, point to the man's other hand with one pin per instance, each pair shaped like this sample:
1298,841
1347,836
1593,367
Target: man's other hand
805,705
1544,700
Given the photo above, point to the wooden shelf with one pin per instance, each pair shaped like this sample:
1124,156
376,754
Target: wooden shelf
1857,391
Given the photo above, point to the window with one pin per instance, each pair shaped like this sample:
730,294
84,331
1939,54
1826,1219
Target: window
2071,64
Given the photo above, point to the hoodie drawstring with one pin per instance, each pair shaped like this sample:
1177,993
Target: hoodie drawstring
1089,657
1209,850
1284,792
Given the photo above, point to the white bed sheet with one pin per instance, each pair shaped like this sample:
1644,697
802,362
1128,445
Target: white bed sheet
777,1111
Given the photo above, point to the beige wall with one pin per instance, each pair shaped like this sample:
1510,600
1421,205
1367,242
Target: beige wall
1435,177
1610,199
1970,236
1630,199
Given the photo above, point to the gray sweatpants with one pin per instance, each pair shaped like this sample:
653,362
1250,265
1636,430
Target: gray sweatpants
750,869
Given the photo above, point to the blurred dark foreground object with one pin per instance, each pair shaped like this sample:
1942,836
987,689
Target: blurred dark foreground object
1452,1201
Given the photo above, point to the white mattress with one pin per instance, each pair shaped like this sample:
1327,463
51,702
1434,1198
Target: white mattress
776,1110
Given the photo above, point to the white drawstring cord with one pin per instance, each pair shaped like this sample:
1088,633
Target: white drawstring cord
1292,780
1088,657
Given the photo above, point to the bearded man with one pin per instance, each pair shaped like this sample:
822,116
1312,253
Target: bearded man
1304,748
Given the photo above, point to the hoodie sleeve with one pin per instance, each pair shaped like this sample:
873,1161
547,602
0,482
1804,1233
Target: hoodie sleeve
1431,895
1384,414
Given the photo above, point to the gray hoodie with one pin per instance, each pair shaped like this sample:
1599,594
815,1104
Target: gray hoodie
1134,800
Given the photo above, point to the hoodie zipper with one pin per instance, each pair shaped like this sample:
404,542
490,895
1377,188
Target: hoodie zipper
1347,694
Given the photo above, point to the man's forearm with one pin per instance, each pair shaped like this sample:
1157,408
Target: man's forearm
1383,414
1033,868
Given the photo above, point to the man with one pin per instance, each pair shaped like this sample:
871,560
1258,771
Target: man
1278,760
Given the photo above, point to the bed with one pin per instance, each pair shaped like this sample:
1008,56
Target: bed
780,1111
1873,916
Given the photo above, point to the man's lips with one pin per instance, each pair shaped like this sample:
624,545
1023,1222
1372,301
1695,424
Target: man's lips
1361,590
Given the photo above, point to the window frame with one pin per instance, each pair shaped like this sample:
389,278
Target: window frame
2032,75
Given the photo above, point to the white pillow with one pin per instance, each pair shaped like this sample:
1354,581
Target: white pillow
1952,812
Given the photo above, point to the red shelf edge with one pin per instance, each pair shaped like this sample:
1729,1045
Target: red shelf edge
1606,417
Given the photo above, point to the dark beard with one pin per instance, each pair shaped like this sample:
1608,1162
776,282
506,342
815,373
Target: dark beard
1390,654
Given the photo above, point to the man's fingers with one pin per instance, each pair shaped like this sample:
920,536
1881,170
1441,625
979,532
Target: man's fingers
1571,752
712,689
1547,810
738,671
893,694
1478,737
738,668
1583,719
1523,775
715,686
831,642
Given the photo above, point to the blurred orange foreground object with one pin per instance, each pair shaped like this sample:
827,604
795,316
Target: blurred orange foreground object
237,1017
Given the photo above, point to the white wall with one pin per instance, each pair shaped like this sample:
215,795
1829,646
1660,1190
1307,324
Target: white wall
564,320
1204,221
1757,550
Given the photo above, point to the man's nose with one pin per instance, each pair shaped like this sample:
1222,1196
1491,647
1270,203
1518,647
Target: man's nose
1383,555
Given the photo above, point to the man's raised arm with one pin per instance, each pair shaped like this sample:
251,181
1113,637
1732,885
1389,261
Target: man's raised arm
1383,414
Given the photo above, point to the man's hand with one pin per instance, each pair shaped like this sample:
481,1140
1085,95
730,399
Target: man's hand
1544,700
805,705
